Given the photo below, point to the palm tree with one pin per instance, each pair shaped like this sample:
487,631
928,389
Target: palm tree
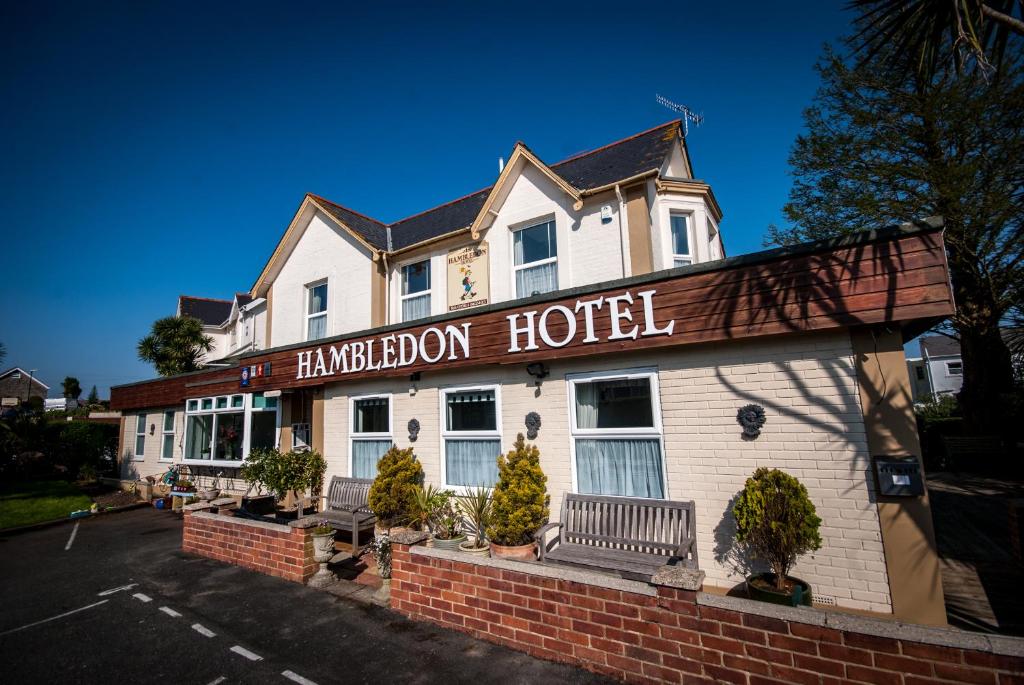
933,32
175,345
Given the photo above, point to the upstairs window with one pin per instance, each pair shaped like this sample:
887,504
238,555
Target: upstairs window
316,311
681,250
536,259
416,291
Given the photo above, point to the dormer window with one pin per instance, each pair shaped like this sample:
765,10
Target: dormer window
536,259
681,251
316,311
416,291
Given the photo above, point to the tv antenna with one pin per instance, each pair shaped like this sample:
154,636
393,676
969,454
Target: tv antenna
688,114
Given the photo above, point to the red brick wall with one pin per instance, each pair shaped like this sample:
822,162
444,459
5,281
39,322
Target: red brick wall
668,638
285,554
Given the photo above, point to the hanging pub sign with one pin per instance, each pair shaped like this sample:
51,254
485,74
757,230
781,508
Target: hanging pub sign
254,371
468,277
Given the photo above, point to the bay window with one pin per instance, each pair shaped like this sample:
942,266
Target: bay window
316,311
616,434
681,252
416,291
471,436
222,430
535,251
370,433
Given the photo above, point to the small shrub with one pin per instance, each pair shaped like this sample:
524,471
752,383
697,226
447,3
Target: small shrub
938,407
520,501
776,519
476,508
426,501
392,495
280,472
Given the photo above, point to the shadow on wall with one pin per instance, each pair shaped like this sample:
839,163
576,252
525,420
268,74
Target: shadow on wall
734,556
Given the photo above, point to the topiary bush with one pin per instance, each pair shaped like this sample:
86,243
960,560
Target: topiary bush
519,504
393,493
777,521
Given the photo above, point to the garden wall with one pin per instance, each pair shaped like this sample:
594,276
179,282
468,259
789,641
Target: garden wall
270,548
639,632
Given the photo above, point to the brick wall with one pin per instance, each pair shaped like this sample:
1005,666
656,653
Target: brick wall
270,548
641,633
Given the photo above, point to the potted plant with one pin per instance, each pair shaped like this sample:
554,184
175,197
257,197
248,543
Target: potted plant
447,524
424,504
392,495
323,552
475,507
520,503
777,522
213,490
281,473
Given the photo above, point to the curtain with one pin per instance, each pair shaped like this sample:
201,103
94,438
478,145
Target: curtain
537,279
416,308
586,405
472,462
628,467
317,328
366,454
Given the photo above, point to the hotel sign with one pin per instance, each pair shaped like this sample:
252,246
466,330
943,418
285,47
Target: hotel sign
468,277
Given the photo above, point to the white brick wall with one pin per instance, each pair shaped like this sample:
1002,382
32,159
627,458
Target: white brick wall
151,464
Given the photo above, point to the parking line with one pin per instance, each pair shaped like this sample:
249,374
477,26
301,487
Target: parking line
74,532
54,618
170,612
115,589
217,681
142,598
203,630
296,678
251,656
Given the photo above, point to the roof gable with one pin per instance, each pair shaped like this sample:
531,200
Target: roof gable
25,374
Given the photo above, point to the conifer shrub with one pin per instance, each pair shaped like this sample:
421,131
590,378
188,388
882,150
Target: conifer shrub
776,520
393,493
520,501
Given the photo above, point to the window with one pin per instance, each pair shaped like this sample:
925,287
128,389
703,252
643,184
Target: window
954,368
920,372
416,291
370,436
616,430
215,431
263,422
471,437
316,311
167,448
681,254
140,437
536,259
16,375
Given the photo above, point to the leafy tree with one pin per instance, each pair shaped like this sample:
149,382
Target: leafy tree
519,505
71,387
883,147
94,397
175,345
393,493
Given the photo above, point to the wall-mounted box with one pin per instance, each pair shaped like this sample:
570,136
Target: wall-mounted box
898,476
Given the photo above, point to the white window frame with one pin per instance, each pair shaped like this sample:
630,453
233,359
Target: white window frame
246,411
950,374
466,435
140,432
354,437
656,431
164,433
307,316
428,293
688,218
516,268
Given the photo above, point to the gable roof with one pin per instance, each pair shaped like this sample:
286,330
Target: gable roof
210,311
939,346
35,380
372,231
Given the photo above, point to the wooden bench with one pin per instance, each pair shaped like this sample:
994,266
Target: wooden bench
632,537
347,505
982,450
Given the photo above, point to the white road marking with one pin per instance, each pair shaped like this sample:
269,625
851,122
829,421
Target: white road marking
170,612
203,630
142,598
115,589
295,677
74,532
54,618
217,681
251,656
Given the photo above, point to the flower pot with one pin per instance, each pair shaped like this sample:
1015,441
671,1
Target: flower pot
451,544
761,587
519,552
208,495
469,548
323,546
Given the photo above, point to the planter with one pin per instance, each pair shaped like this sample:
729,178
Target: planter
761,587
518,552
468,548
452,544
323,552
395,530
208,495
379,530
259,506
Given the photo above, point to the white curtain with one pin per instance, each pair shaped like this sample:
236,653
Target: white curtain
317,328
537,279
365,455
628,467
416,308
472,462
586,405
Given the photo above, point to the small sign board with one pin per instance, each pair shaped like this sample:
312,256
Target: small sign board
468,277
254,371
899,476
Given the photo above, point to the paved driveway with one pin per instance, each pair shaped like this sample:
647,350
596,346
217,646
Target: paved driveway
123,604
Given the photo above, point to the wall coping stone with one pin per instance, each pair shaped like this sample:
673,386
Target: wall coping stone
679,577
198,506
409,537
236,521
304,522
223,501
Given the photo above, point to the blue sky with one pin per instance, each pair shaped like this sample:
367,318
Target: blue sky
150,151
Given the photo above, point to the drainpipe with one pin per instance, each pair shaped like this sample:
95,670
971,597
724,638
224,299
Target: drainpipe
626,271
387,289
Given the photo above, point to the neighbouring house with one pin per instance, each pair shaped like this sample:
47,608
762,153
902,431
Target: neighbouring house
236,325
18,385
594,297
60,404
940,369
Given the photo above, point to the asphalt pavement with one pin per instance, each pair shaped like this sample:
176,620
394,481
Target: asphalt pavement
115,600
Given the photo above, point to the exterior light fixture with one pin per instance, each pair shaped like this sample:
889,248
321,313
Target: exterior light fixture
538,370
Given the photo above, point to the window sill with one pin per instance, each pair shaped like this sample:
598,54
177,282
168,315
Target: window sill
214,462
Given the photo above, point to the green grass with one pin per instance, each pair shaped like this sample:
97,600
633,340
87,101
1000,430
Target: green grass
35,501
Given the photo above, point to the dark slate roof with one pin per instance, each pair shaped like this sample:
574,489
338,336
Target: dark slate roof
614,162
939,346
243,299
210,312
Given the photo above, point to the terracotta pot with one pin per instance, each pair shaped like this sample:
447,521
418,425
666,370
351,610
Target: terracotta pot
519,552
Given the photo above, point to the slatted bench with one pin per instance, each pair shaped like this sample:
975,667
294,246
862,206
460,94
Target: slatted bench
632,537
347,505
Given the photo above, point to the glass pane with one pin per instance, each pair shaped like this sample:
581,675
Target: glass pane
472,462
193,405
614,404
416,308
680,236
140,446
236,401
371,416
471,411
168,421
222,403
366,454
140,423
260,401
167,450
264,430
317,299
208,403
197,437
316,327
630,468
537,280
535,243
416,277
682,261
230,430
